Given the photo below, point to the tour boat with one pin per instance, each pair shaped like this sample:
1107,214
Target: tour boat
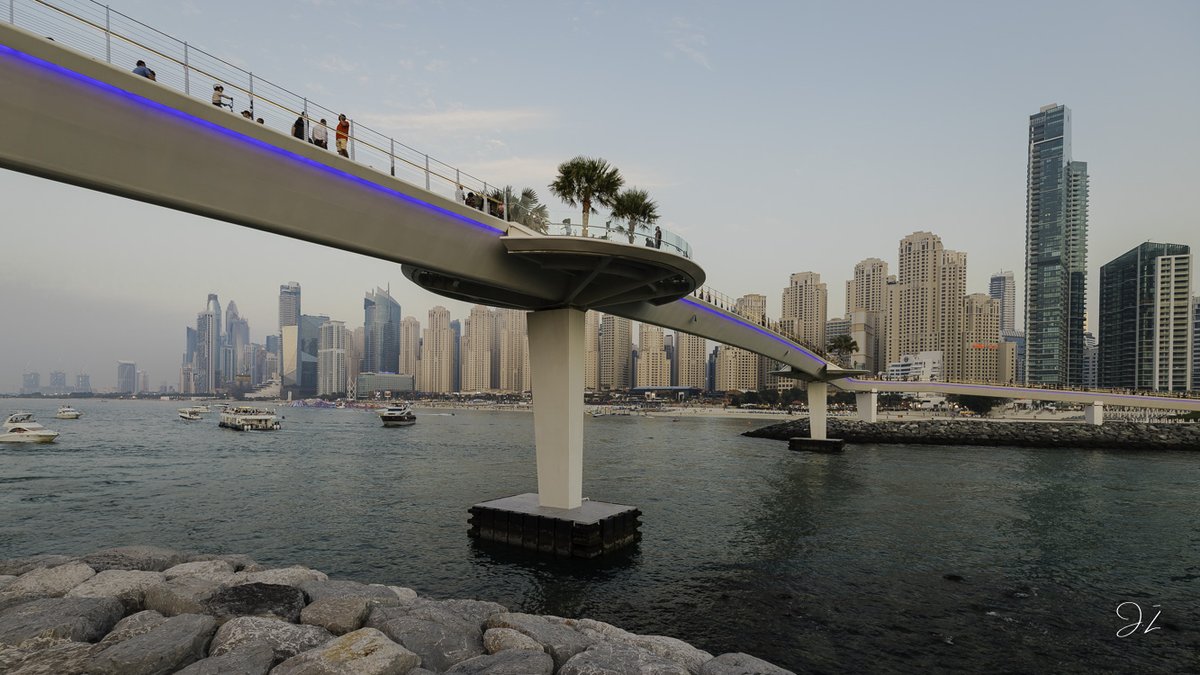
244,418
20,428
68,413
397,416
190,414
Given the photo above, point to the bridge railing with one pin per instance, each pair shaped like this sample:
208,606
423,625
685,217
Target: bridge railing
105,34
618,231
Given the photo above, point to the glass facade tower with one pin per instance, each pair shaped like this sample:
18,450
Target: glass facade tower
1055,252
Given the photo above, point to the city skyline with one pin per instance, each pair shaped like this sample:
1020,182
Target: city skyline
102,257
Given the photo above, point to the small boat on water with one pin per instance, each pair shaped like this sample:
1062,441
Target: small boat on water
245,418
190,414
68,413
21,428
397,416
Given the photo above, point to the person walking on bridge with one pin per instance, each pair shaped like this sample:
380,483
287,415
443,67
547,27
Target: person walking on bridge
343,135
142,70
320,135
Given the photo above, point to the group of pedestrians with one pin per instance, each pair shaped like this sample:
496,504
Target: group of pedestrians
481,202
320,131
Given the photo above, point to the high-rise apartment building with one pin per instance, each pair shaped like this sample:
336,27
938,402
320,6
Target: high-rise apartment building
437,353
31,383
477,340
127,382
804,309
356,341
331,358
741,370
456,333
983,357
513,350
616,352
926,310
1003,288
204,368
653,369
1146,320
692,360
381,324
410,345
83,383
1055,252
866,308
1196,343
591,350
1091,360
289,337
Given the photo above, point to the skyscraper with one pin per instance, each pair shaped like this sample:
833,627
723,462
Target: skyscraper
1145,319
616,352
331,359
1003,288
804,309
514,350
738,369
437,353
1196,343
476,349
83,383
127,377
927,312
381,322
310,342
591,350
693,361
289,304
652,369
204,368
290,375
1056,209
410,346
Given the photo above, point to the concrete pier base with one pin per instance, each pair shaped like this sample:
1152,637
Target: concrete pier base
1094,413
590,530
801,443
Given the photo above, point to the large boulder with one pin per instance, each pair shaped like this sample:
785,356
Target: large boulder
338,588
5,580
166,648
181,595
737,663
288,576
363,652
674,650
145,558
497,640
285,639
238,561
79,619
19,566
615,658
337,615
477,611
131,627
213,570
255,599
511,662
46,656
52,582
406,595
252,658
440,637
128,586
560,641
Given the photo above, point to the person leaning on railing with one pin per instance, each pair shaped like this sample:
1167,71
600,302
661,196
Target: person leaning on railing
342,137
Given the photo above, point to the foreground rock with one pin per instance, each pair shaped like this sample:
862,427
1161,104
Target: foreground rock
1110,435
202,615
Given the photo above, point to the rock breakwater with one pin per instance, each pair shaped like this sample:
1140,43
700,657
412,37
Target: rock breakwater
1110,436
145,610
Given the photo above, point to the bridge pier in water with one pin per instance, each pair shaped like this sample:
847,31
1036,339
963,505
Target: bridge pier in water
867,403
557,519
818,412
1094,413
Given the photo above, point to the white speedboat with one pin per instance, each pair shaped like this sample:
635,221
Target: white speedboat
190,414
397,416
244,418
20,428
68,413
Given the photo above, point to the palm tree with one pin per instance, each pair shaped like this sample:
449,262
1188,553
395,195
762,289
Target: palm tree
588,182
636,207
525,208
841,346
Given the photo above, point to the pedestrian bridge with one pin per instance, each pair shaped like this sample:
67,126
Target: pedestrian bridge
72,116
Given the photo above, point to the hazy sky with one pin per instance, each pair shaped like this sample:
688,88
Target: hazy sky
777,137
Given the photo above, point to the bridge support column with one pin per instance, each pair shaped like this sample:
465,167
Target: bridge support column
557,520
556,365
867,403
818,408
1094,413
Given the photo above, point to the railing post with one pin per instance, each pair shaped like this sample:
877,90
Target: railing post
484,196
187,72
307,128
392,155
251,94
351,139
12,12
426,172
107,36
506,205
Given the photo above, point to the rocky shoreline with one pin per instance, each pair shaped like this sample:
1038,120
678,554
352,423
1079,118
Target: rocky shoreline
145,610
1108,436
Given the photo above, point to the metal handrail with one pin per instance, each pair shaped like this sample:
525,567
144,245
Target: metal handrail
244,81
